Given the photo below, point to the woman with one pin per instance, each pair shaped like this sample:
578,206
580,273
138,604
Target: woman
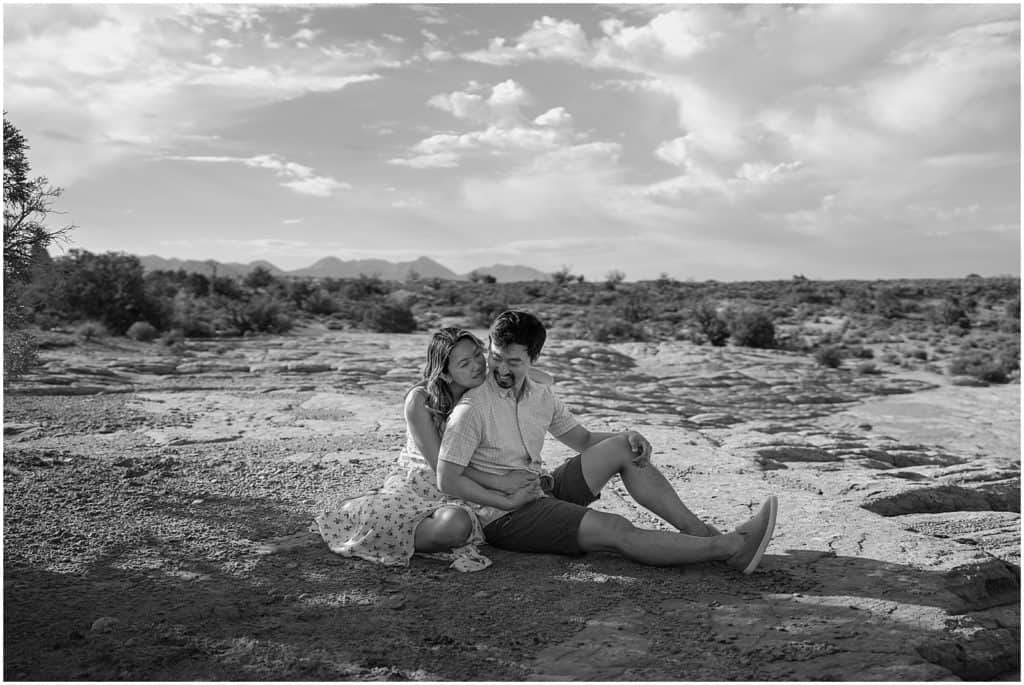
408,514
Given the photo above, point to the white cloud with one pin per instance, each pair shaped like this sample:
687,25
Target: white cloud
557,116
547,38
131,72
298,177
436,160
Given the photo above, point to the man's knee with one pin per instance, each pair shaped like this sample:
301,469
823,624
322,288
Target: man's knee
453,527
603,532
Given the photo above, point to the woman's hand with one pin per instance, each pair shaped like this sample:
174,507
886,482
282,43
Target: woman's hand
517,480
523,496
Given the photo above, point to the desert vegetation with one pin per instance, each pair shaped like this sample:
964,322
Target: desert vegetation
960,327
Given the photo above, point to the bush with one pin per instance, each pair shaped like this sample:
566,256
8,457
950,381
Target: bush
193,317
615,330
712,326
751,327
829,356
389,318
142,331
20,353
319,301
481,313
107,288
952,313
261,314
860,352
867,369
979,365
91,330
173,337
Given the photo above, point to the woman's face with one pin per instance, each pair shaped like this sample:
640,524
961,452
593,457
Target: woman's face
466,365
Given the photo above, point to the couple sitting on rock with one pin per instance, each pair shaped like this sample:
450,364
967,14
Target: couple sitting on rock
471,472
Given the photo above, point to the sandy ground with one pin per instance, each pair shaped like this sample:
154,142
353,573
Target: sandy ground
138,481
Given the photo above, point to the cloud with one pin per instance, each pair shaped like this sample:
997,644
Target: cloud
299,178
503,105
557,116
547,38
843,88
141,74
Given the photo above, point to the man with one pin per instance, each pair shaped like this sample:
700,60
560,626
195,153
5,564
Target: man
499,428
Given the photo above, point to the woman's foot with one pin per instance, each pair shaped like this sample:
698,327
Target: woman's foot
756,534
288,543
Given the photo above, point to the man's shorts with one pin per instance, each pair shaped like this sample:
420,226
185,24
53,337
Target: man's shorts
550,524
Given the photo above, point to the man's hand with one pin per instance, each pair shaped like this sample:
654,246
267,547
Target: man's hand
517,480
640,447
524,495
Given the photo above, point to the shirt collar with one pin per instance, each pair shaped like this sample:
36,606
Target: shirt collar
509,392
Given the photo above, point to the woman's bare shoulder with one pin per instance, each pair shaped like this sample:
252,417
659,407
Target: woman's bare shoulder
416,397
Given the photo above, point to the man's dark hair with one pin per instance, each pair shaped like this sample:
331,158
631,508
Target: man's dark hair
519,328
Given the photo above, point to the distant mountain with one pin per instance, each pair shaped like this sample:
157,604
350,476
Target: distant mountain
511,273
332,267
206,267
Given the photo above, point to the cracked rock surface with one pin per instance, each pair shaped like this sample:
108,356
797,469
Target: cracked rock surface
137,481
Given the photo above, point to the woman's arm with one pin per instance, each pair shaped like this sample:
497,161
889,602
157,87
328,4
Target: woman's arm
428,442
421,426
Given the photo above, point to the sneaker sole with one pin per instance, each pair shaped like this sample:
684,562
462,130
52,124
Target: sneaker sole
773,511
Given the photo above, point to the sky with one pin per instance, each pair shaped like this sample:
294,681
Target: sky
700,141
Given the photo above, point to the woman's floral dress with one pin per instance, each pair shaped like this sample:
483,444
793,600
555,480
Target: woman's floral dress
380,525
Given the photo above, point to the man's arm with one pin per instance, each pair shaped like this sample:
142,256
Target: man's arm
508,483
580,439
452,480
462,436
424,434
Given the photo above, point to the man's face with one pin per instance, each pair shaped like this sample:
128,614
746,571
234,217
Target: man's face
509,365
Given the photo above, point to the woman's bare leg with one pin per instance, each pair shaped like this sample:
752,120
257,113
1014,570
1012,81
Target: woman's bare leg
447,528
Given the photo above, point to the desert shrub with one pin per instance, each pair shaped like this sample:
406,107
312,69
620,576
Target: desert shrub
751,327
259,278
951,313
389,318
1012,308
710,324
192,316
365,287
867,369
319,301
20,353
142,331
261,314
614,330
861,352
173,337
91,330
888,304
226,287
634,308
891,358
921,355
108,288
828,355
481,313
980,365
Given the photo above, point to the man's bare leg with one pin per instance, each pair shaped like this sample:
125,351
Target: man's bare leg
645,484
740,549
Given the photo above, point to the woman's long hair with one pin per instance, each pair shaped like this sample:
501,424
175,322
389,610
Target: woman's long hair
440,398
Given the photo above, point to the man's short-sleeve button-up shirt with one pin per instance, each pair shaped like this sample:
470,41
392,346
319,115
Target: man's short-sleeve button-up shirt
497,433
